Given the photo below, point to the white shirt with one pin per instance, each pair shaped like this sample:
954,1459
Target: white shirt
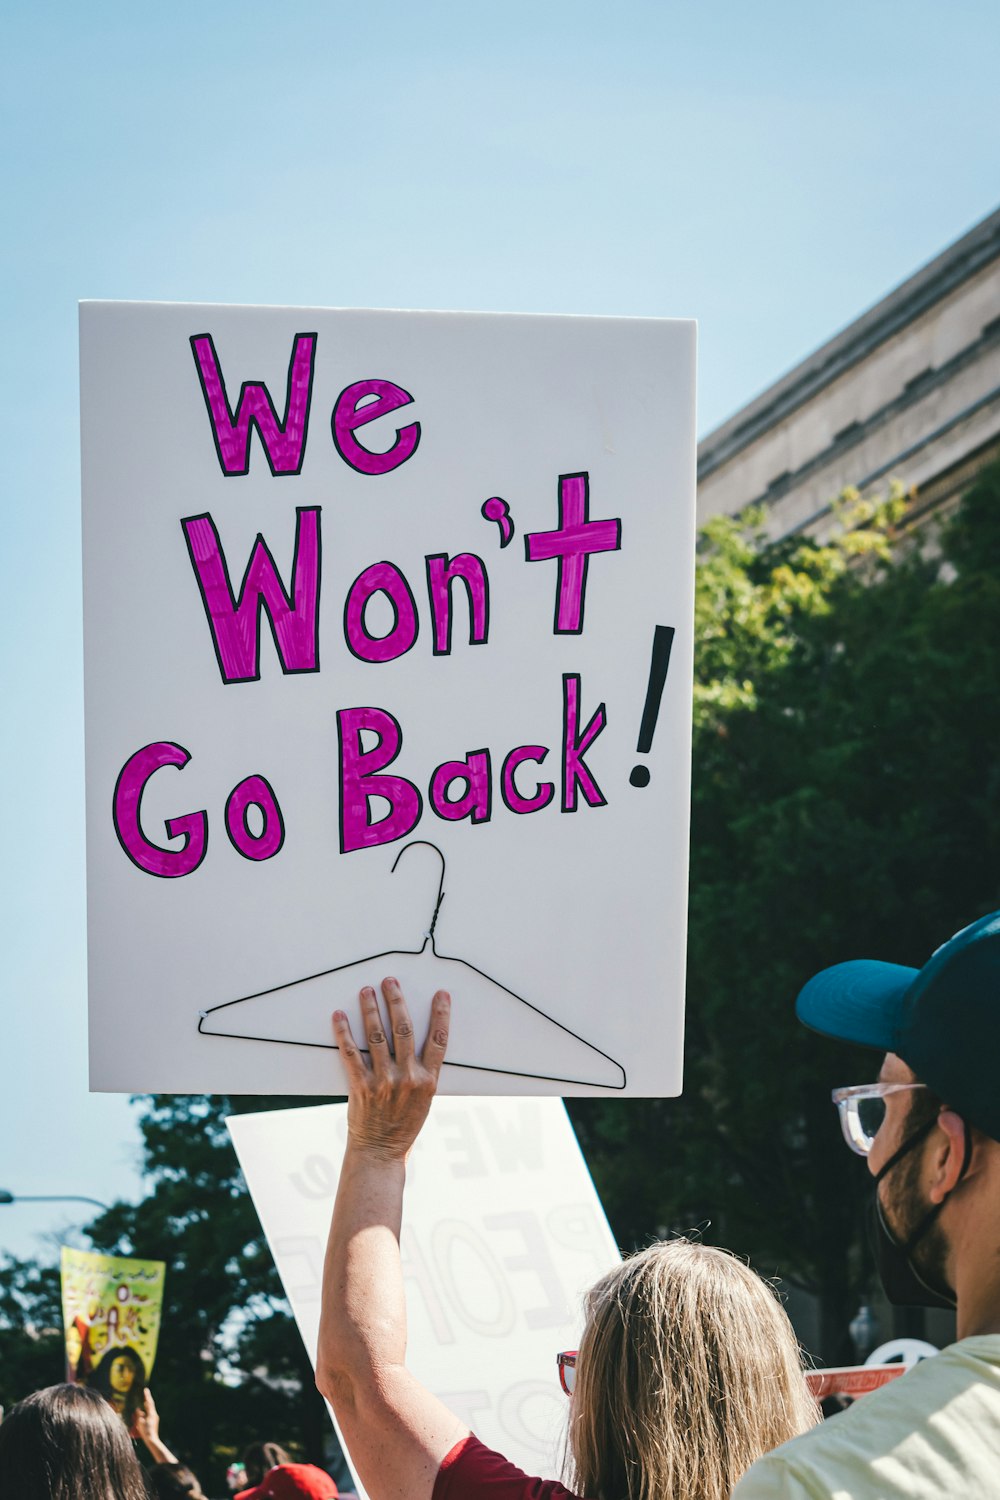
934,1434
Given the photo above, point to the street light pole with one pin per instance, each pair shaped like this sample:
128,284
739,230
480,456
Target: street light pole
8,1197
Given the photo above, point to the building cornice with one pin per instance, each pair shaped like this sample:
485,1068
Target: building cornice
928,286
915,391
991,398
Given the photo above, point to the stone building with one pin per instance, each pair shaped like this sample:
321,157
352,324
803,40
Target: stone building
910,390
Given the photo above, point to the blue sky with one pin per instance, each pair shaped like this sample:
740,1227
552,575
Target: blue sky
771,169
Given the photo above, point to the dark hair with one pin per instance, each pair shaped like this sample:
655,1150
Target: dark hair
174,1482
65,1443
260,1458
99,1379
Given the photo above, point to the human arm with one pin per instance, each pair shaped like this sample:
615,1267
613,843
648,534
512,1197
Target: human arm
147,1423
396,1431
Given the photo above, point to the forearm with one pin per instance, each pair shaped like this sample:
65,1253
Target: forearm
159,1452
396,1431
362,1328
147,1421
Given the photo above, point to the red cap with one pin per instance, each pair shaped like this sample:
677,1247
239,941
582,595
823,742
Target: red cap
292,1482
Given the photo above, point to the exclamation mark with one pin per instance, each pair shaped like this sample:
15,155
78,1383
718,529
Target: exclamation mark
663,639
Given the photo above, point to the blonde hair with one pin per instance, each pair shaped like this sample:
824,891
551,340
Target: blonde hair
688,1371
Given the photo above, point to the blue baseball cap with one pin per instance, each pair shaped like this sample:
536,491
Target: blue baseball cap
943,1020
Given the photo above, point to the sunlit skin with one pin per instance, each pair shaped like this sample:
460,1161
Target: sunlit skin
897,1107
970,1219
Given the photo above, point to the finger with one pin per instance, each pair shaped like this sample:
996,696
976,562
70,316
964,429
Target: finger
399,1021
354,1064
371,1022
436,1044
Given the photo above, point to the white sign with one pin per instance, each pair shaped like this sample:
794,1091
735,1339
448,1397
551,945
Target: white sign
360,580
502,1235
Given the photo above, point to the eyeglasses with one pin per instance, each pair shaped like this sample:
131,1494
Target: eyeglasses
567,1370
862,1110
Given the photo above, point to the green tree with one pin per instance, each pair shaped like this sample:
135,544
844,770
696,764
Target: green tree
230,1366
847,706
31,1346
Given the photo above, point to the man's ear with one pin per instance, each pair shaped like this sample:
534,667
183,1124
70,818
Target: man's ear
948,1148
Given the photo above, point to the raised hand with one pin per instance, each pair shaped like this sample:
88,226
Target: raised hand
390,1094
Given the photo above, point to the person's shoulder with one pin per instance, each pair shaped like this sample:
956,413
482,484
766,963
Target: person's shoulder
777,1476
970,1361
470,1468
929,1382
880,1422
981,1352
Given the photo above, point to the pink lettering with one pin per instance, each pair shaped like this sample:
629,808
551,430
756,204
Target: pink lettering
441,572
573,543
354,408
474,802
359,783
575,746
235,625
508,789
257,792
284,442
192,828
380,578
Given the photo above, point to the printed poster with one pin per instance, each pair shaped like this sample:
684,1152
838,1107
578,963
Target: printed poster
388,643
503,1233
112,1306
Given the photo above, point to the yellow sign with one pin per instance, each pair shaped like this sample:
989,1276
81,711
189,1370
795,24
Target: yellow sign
111,1317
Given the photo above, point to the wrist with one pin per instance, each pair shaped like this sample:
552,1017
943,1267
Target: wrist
371,1151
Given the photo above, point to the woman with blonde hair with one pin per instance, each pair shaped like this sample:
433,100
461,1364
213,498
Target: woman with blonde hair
688,1369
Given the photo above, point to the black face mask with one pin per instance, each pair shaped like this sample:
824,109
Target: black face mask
903,1283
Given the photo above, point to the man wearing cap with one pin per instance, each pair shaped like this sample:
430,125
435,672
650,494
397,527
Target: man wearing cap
930,1129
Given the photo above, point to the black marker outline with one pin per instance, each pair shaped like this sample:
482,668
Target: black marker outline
448,578
371,708
255,802
378,639
372,453
600,709
463,776
524,812
262,606
505,541
252,421
583,474
185,835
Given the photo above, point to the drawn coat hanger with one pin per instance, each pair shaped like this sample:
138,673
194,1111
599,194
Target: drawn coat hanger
493,1030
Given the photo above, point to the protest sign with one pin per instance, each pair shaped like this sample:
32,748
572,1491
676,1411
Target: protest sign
111,1320
356,581
851,1380
502,1234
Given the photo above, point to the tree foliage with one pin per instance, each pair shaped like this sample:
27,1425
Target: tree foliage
230,1366
846,803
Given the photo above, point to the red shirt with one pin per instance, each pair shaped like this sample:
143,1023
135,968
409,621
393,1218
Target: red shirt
471,1470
